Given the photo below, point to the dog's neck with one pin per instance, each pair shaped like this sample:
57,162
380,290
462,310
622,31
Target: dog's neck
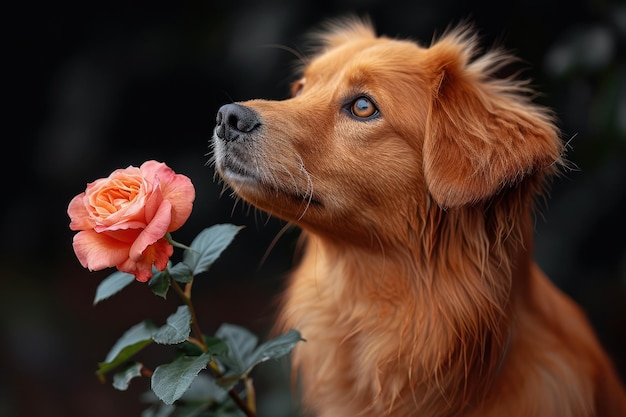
450,294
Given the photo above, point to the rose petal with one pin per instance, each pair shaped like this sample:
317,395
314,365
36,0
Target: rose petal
162,254
155,230
97,251
158,254
153,169
176,188
181,193
107,197
153,202
79,216
121,226
141,270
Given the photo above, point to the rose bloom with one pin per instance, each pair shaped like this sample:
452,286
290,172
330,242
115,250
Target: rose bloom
123,219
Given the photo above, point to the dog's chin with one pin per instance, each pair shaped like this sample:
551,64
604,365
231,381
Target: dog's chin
276,199
237,176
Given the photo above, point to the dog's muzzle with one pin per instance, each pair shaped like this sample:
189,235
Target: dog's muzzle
235,121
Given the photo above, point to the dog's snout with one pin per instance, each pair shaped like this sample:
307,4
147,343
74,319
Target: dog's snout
235,121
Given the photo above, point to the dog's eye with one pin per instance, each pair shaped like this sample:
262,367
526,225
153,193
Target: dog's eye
363,108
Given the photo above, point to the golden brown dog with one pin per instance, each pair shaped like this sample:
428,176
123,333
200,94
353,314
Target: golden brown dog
413,173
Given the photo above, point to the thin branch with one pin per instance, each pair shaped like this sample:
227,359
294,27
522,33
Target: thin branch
251,393
241,403
147,372
194,321
186,297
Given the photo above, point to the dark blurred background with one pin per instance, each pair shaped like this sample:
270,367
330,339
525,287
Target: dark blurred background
95,86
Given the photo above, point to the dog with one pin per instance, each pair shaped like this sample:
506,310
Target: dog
414,172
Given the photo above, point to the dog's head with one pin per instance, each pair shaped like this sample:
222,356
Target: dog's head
379,128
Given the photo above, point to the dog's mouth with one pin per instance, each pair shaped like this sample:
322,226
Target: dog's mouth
234,171
244,179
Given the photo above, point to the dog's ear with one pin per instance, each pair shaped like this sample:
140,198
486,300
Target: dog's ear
482,134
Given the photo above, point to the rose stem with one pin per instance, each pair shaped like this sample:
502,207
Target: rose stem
186,297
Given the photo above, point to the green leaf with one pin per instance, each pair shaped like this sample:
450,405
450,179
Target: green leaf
160,283
190,349
273,349
170,381
208,246
122,379
177,328
132,341
193,409
204,388
227,413
140,332
241,343
216,346
159,410
181,273
112,284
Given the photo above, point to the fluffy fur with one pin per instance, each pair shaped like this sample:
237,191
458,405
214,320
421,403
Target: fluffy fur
416,290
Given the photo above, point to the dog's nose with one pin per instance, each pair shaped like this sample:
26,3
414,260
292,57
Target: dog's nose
235,121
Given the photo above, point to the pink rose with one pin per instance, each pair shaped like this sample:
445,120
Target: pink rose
123,219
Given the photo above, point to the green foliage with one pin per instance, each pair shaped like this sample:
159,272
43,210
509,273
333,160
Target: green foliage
159,410
181,272
160,282
114,283
243,354
171,380
272,349
132,341
122,379
177,328
241,344
208,246
185,387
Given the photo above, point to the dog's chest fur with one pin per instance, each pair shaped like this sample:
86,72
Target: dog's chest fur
375,344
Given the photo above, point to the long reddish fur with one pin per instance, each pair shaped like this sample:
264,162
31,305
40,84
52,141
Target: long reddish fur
426,303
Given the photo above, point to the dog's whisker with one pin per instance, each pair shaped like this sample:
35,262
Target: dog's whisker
296,53
308,194
274,241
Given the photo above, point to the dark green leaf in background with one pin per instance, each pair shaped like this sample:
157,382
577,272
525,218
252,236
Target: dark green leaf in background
273,349
176,329
208,245
160,283
112,284
132,341
170,381
140,332
204,389
181,273
122,379
216,346
241,343
159,410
